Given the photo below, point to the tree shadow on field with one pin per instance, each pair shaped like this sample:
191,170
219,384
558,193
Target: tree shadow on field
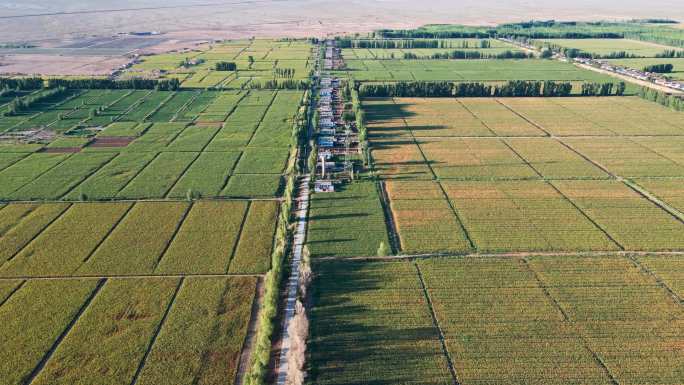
355,334
337,216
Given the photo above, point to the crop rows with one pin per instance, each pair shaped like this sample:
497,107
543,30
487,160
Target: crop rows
350,223
551,320
169,159
529,190
146,330
108,239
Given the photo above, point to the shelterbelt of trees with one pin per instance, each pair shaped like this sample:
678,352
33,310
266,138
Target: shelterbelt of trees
516,88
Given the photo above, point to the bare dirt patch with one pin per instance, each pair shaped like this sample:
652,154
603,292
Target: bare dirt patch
45,64
112,141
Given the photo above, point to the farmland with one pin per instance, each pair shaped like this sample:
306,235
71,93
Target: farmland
148,152
483,213
527,174
604,47
552,320
145,238
257,61
467,70
138,323
146,220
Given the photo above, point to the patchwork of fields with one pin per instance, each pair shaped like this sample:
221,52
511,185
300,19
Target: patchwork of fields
257,61
503,175
137,226
508,175
211,144
534,320
144,238
124,330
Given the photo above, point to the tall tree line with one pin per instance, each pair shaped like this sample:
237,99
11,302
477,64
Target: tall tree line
515,88
138,84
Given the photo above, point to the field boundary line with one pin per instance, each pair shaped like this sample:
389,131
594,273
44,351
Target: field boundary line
655,200
223,124
390,222
633,186
85,178
182,174
653,151
160,105
87,118
231,173
141,365
46,357
474,115
250,337
41,174
26,155
578,115
439,183
129,181
458,217
16,289
659,280
566,319
179,226
185,106
130,276
261,119
133,105
435,324
104,238
542,286
584,214
42,229
162,200
238,236
602,253
525,118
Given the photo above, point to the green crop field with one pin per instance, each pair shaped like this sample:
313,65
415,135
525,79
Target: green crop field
348,223
266,57
145,238
550,320
244,135
467,70
604,47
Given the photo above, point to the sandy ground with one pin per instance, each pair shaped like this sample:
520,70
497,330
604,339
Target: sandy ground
187,22
59,65
49,19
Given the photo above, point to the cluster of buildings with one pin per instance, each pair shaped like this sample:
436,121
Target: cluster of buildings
337,139
633,73
605,65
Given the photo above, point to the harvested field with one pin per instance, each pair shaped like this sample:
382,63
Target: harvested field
111,141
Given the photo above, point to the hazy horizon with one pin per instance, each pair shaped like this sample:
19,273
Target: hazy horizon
55,19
